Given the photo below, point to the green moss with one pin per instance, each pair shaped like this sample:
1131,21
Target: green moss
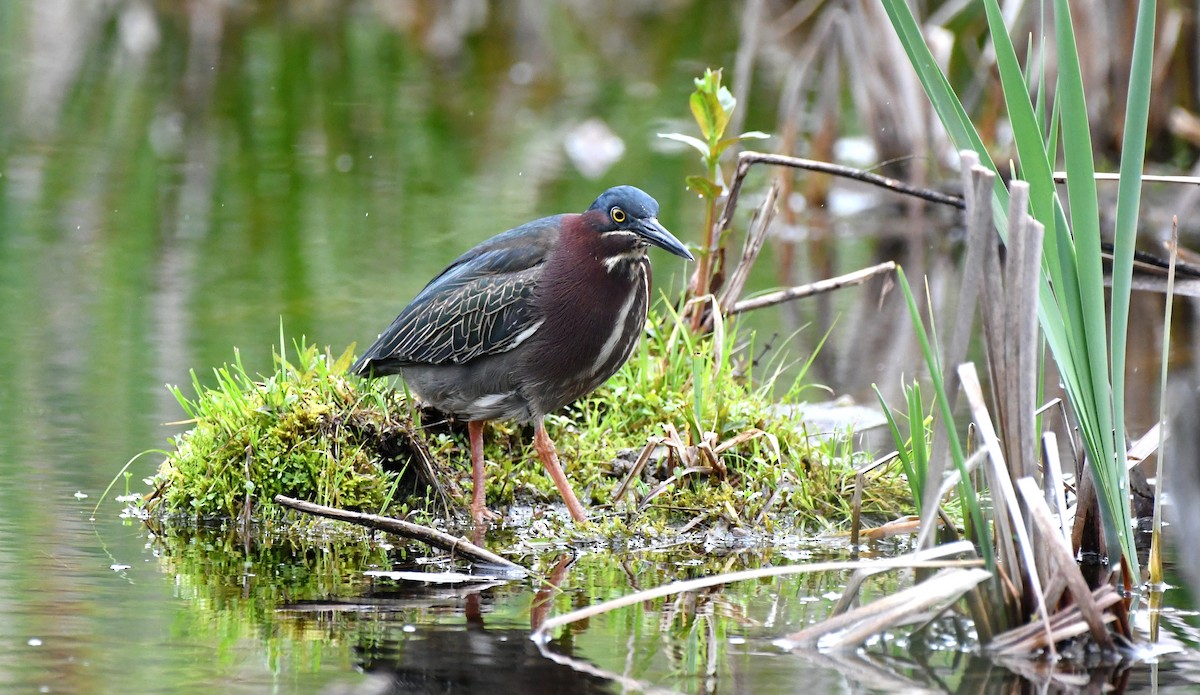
308,431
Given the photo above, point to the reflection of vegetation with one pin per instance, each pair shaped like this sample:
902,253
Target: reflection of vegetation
691,642
221,570
235,588
304,607
304,604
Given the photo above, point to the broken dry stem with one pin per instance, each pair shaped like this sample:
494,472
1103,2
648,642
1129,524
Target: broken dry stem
851,629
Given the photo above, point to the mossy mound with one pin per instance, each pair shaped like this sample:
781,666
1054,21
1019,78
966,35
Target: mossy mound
725,452
307,431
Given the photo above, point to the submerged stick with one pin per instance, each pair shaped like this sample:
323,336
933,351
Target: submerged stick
407,529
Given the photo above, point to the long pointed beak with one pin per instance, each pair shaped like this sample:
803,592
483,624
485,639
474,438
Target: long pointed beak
658,235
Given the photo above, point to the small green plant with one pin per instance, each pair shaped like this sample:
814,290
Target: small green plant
972,510
712,106
913,451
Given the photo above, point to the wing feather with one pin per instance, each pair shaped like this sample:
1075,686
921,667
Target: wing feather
481,304
481,316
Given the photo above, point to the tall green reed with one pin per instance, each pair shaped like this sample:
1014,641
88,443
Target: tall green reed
1072,312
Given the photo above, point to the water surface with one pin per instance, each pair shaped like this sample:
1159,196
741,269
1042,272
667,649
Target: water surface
178,182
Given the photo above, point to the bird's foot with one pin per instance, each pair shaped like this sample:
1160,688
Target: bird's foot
483,515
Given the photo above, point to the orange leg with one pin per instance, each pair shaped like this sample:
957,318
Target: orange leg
545,450
479,510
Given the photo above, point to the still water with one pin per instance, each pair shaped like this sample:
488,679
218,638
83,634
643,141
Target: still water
178,180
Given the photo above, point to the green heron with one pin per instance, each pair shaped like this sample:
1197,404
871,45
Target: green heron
528,321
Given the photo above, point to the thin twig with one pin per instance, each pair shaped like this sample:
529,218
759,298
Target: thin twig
856,510
860,480
407,529
1061,176
1182,288
812,288
1146,445
636,471
755,236
746,160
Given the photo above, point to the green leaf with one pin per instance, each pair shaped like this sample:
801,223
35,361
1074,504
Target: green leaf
710,82
707,112
749,135
902,448
918,431
705,187
1085,222
711,105
725,97
1129,193
688,140
342,364
1031,149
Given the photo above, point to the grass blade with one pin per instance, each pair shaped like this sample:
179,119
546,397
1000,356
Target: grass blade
1129,189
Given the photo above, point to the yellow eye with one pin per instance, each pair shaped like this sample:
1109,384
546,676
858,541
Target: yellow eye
617,215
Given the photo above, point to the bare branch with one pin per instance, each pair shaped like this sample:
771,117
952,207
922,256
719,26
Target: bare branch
399,527
812,288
